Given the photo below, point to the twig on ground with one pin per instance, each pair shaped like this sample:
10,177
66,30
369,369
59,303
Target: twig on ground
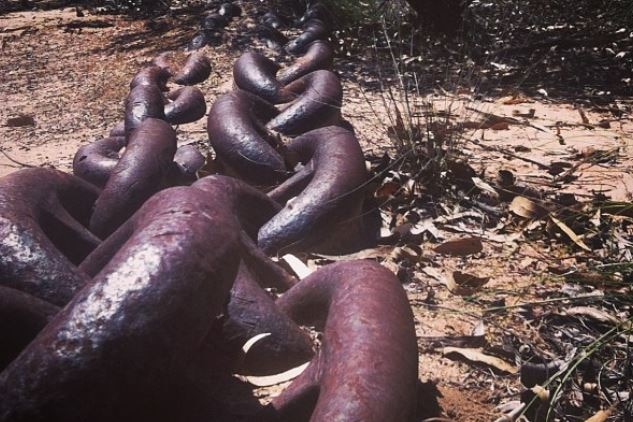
509,153
16,161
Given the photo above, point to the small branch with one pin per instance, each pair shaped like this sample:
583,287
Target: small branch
509,153
590,159
16,161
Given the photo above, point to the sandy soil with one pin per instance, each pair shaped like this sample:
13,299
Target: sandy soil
73,82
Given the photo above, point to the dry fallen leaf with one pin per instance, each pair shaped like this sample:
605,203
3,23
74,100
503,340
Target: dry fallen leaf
461,247
601,416
269,380
387,190
485,186
477,356
595,220
21,120
500,126
299,268
465,284
570,233
426,225
525,208
512,411
604,124
370,253
436,274
517,100
594,313
251,342
541,393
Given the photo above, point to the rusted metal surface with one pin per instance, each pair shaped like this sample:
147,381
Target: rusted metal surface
94,162
255,73
187,105
187,162
43,219
22,317
143,102
149,323
252,311
114,350
319,55
318,97
313,29
325,214
235,128
366,369
141,172
196,69
151,76
261,76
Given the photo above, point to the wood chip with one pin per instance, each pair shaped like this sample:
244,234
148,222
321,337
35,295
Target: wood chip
526,208
20,121
460,247
477,356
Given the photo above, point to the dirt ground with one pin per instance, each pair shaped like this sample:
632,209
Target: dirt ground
72,82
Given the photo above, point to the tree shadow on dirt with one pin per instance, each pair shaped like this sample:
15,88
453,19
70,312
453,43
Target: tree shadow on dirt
573,51
157,35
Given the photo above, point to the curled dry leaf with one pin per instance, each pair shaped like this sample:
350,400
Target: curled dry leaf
593,313
461,247
466,284
601,416
485,186
426,225
506,178
541,393
525,208
436,274
477,356
269,380
387,190
299,268
252,341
